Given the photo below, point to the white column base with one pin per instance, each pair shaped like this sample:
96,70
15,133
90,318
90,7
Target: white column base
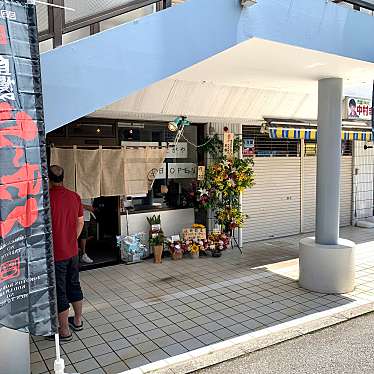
14,352
327,268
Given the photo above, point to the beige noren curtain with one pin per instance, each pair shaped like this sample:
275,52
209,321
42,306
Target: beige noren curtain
88,169
65,159
141,166
112,173
109,172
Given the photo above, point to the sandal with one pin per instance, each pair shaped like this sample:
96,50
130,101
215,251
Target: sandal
62,338
74,326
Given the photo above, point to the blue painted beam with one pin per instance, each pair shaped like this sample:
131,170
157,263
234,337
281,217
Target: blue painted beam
84,76
91,73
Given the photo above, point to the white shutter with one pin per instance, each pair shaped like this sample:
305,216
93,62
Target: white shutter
273,204
363,160
309,193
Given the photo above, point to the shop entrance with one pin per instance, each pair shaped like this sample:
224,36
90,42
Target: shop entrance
102,229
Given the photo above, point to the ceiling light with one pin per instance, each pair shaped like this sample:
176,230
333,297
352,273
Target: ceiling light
172,126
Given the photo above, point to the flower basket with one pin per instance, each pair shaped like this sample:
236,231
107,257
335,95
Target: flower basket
157,252
176,256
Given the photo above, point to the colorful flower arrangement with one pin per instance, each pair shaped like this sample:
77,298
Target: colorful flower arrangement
224,180
218,241
230,217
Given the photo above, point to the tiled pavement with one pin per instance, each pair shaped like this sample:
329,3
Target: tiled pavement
136,314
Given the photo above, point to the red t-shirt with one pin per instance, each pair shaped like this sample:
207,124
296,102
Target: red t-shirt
66,207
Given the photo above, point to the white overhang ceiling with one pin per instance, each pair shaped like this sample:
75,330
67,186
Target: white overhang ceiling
255,79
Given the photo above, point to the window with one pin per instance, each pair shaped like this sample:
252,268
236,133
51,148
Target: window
176,174
264,146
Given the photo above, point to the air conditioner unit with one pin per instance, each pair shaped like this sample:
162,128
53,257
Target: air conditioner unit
248,2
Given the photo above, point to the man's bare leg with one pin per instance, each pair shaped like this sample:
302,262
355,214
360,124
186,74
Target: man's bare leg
77,306
83,245
63,323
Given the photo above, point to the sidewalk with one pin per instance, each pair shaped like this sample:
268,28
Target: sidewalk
140,314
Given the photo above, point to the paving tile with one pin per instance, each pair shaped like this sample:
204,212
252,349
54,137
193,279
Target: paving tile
175,349
226,322
96,371
171,329
86,365
184,325
177,318
115,368
74,346
146,347
136,361
156,355
98,321
201,320
111,336
208,338
192,344
69,369
80,355
164,341
91,342
137,339
87,333
146,326
224,334
100,349
104,328
238,329
163,322
35,357
38,368
127,353
181,336
196,331
154,334
107,359
211,326
253,324
115,318
44,344
129,331
119,344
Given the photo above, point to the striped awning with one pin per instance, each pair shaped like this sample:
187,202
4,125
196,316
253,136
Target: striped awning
311,134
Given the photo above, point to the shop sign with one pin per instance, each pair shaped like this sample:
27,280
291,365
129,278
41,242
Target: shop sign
182,170
357,108
248,147
161,173
228,145
176,151
200,173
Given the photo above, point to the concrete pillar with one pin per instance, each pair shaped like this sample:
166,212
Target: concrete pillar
14,352
327,262
328,160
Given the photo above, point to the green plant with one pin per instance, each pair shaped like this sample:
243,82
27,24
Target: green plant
156,239
154,220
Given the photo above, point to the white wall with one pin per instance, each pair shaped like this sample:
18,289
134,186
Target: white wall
172,221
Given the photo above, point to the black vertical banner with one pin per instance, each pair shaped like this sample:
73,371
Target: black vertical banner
27,289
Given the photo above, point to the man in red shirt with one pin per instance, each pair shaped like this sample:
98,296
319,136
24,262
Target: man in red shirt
67,224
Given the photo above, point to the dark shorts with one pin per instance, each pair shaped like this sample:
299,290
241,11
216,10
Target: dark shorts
67,283
84,233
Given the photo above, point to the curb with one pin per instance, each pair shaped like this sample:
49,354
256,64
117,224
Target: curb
242,345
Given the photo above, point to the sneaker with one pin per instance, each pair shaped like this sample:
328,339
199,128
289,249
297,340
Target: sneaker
86,259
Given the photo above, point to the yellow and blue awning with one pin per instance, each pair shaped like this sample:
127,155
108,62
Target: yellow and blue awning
311,134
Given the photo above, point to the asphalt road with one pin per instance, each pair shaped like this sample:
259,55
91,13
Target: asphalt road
347,348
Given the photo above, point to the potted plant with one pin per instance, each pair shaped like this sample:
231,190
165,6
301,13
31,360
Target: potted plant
156,242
